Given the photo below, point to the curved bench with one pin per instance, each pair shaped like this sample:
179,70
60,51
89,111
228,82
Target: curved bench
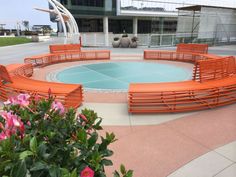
180,97
15,77
213,85
67,53
14,81
184,53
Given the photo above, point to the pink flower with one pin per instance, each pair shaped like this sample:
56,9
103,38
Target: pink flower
23,99
87,172
1,126
46,116
56,105
12,124
22,128
11,101
36,98
3,136
28,123
83,117
11,119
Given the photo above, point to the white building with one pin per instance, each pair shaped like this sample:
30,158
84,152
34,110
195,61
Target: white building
109,18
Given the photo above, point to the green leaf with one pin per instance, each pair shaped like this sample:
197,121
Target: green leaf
25,154
107,153
33,144
107,162
97,125
42,151
39,166
110,137
54,171
122,169
93,139
116,174
82,136
19,170
74,173
64,172
129,173
102,174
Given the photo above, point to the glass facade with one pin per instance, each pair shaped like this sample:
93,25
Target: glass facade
170,26
90,15
120,26
90,25
91,7
92,3
144,26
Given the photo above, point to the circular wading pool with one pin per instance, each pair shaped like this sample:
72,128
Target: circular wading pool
118,75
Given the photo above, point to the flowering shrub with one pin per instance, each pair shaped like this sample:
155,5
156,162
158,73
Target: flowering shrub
39,138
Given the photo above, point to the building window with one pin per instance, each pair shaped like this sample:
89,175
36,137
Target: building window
170,26
144,26
93,3
120,26
113,4
90,25
64,2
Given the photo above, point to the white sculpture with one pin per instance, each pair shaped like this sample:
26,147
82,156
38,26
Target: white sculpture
67,20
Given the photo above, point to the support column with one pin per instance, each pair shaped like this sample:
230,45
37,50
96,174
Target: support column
135,26
69,4
161,25
105,30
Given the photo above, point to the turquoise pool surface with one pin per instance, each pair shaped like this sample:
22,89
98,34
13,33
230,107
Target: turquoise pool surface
118,75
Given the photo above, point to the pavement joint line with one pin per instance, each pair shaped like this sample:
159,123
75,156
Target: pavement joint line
223,169
224,155
188,137
199,143
130,122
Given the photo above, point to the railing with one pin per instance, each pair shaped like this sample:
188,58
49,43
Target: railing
161,40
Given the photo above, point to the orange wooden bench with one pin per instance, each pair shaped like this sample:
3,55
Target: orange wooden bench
184,52
213,85
192,48
65,53
13,81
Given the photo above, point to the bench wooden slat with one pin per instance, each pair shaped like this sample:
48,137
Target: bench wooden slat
71,95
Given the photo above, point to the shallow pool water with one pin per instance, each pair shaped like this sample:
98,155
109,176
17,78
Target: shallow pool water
118,75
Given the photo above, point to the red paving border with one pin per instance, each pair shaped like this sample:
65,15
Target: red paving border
157,151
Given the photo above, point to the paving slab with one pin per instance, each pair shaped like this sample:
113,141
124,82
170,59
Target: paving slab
228,172
207,165
155,119
211,128
112,113
228,151
152,151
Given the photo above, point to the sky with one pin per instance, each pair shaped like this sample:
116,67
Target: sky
12,11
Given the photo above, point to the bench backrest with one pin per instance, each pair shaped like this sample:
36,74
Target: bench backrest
20,69
4,75
213,69
193,48
63,48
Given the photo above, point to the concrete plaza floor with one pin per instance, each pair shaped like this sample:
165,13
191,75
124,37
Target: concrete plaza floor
194,144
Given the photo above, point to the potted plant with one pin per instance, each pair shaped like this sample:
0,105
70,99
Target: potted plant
134,43
125,41
39,137
116,42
